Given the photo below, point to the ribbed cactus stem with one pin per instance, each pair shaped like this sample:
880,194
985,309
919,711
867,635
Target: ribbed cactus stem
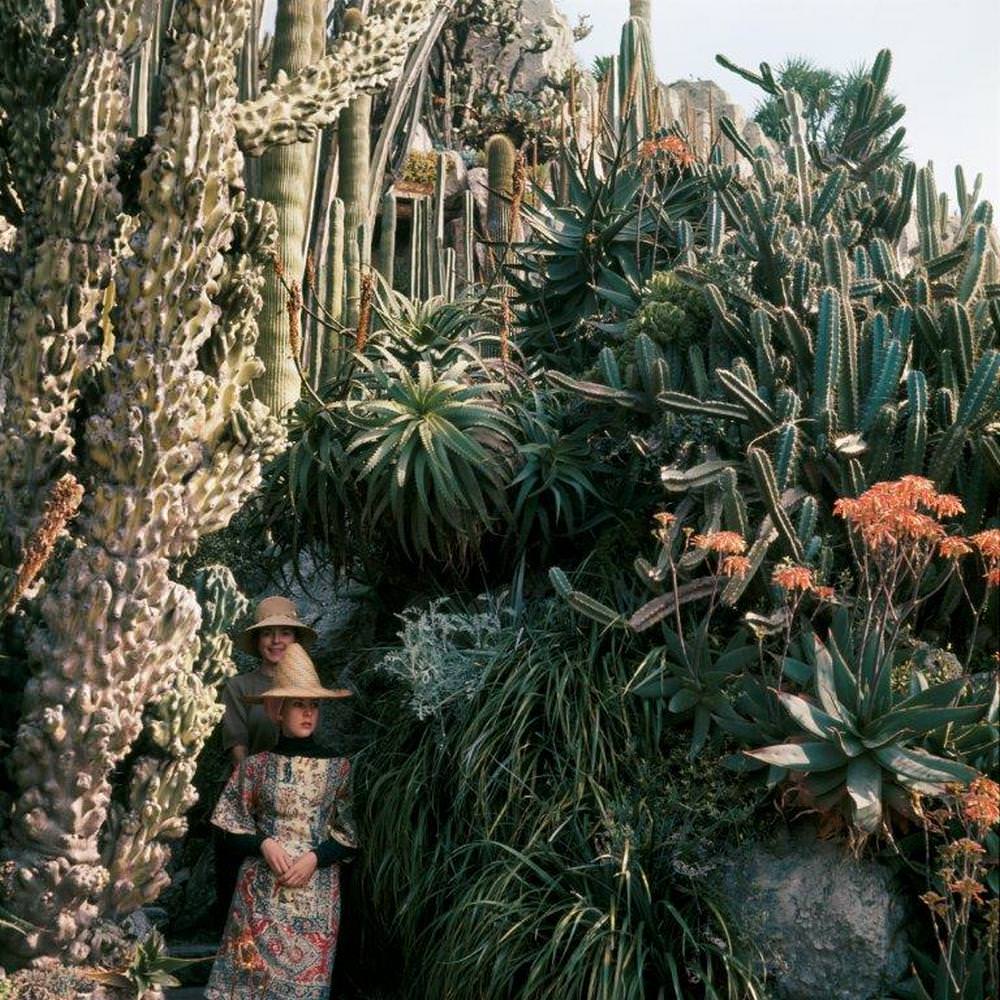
333,290
354,138
286,182
637,81
440,182
416,243
387,239
469,239
500,157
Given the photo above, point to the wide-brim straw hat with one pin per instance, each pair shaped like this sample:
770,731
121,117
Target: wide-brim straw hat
274,612
296,677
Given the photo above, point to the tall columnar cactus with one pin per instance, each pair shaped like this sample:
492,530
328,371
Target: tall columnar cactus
500,158
167,443
637,91
286,174
354,136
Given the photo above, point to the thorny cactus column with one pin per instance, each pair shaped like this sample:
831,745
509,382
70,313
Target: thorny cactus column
164,441
170,453
286,174
66,236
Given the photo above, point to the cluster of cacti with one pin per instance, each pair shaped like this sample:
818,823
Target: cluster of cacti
178,724
131,352
831,363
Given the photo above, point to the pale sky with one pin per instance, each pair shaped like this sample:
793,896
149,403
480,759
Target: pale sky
946,60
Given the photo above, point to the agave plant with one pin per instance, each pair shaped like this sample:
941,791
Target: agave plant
434,453
860,742
589,258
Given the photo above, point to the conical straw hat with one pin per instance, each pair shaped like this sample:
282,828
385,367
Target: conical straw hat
296,677
270,613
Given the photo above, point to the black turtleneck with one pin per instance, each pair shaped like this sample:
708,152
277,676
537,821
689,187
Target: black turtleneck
301,746
248,844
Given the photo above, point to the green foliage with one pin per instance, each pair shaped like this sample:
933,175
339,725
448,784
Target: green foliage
861,742
420,168
444,655
559,486
151,967
590,257
671,313
506,834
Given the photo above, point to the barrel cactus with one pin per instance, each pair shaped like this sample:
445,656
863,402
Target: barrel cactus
131,348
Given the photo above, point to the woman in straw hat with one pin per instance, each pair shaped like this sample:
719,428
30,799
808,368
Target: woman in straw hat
246,729
285,812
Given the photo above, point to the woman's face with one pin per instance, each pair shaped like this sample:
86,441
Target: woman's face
299,716
273,641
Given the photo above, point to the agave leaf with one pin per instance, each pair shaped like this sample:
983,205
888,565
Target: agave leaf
699,731
925,768
826,685
808,756
657,687
864,786
918,722
811,718
684,700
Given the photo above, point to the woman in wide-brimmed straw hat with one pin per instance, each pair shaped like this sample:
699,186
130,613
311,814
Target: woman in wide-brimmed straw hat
276,625
286,815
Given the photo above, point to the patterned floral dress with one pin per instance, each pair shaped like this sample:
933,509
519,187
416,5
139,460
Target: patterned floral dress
279,943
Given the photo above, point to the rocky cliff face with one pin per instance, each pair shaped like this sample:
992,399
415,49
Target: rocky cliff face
696,104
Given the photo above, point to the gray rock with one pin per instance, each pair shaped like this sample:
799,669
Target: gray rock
830,926
698,105
323,600
527,71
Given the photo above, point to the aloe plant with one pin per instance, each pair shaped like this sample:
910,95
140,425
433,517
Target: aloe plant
860,742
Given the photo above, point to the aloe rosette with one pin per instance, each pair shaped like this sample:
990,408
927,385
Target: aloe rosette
859,741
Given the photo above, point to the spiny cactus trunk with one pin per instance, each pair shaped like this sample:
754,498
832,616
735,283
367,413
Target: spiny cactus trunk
68,237
354,136
286,175
169,445
118,631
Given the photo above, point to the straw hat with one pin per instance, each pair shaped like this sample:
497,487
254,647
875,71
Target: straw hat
296,677
272,612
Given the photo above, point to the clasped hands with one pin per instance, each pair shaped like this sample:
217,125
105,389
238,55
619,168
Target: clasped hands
293,873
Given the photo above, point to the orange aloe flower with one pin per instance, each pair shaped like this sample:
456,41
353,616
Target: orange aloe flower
725,542
953,547
981,802
737,566
793,578
969,889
